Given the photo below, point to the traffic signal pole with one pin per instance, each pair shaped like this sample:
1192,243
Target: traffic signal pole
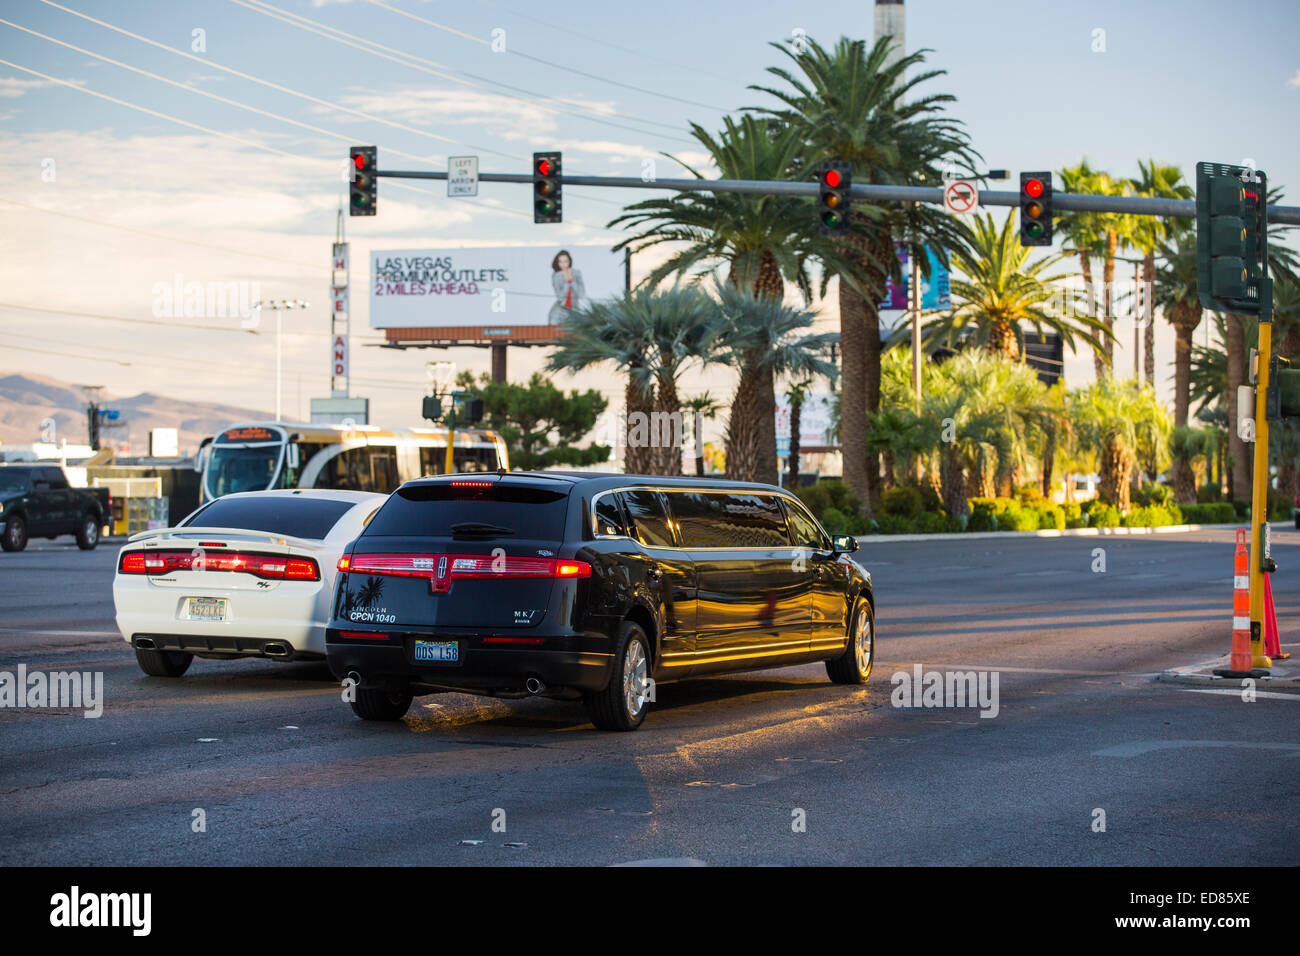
1072,202
1259,536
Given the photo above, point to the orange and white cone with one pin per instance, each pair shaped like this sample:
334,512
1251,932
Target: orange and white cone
1240,661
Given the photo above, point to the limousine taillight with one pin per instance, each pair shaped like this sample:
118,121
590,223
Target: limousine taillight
462,566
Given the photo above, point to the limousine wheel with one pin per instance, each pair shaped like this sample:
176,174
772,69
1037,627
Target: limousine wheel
622,704
381,704
163,663
854,666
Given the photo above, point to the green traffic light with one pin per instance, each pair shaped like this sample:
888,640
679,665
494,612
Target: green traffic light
1034,230
831,220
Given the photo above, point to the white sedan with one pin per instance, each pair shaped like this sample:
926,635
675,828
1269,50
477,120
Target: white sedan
246,575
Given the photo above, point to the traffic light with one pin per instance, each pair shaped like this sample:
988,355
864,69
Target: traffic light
363,187
548,204
1036,209
1283,398
1231,236
92,421
834,182
431,408
472,411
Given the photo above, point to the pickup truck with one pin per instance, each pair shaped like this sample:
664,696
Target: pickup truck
37,502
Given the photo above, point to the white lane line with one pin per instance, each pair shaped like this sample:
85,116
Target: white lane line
1228,691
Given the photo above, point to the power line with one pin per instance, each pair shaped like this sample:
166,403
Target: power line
81,88
411,60
159,235
537,59
169,323
276,86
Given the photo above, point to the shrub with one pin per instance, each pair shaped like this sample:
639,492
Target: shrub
1212,512
1208,492
931,522
896,524
982,517
826,495
930,499
1153,493
1073,515
1241,508
1015,518
1149,516
1051,517
1102,515
1029,493
904,501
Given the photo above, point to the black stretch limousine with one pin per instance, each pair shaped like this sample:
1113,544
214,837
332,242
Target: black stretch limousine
596,586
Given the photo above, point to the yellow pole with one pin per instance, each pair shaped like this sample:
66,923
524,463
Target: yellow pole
451,438
1259,495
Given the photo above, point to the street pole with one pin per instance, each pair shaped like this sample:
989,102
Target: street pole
450,462
279,329
1259,480
914,294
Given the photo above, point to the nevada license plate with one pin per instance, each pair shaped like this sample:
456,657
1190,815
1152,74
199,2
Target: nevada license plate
204,609
437,650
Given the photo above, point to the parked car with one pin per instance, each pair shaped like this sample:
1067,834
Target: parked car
36,501
246,575
578,585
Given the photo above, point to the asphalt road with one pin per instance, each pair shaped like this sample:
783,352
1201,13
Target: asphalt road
285,774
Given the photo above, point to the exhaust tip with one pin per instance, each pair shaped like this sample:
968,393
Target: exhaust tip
534,686
355,677
146,644
276,649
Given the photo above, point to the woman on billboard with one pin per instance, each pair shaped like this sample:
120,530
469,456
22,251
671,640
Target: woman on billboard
567,283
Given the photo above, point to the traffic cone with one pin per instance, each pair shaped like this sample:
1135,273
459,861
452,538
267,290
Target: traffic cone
1240,661
1272,641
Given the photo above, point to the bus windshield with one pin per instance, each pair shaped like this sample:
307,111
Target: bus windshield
241,467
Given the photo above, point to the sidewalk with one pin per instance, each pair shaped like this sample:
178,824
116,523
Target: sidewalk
1054,533
1283,674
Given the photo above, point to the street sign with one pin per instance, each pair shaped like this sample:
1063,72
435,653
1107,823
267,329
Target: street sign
462,175
961,196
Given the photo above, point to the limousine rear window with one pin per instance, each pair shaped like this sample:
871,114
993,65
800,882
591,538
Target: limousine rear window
436,509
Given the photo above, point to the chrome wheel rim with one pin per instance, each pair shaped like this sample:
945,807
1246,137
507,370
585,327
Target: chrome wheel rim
862,640
92,531
634,678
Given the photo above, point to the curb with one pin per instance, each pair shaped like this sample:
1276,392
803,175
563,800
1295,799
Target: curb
1054,533
1202,675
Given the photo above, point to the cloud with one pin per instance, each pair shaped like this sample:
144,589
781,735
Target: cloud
12,87
1295,80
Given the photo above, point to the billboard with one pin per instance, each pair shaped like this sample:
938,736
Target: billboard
492,285
816,422
934,291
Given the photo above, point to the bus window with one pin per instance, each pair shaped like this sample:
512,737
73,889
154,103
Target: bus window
383,470
433,461
233,468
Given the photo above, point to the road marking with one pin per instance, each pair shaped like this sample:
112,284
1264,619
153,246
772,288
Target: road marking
1140,748
1270,694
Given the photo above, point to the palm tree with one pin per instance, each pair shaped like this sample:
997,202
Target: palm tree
1186,445
760,339
703,407
1160,181
856,104
1119,420
797,391
760,238
1001,289
1175,292
652,335
1086,238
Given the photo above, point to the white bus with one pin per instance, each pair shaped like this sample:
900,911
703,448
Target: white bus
256,456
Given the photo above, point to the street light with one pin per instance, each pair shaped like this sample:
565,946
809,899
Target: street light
277,306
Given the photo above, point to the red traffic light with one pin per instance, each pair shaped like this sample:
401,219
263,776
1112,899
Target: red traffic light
831,178
1033,188
544,167
359,160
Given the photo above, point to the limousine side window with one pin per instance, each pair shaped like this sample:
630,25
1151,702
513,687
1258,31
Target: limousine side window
609,517
728,520
645,512
804,530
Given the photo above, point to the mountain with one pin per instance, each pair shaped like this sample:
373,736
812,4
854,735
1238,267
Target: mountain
27,401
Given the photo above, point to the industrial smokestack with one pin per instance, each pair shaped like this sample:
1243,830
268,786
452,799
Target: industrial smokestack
891,21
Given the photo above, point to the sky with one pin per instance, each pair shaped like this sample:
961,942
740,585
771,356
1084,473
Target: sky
128,167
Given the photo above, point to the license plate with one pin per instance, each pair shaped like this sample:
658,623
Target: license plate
204,609
437,650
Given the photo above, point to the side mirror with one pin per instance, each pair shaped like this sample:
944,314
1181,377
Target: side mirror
200,456
844,543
